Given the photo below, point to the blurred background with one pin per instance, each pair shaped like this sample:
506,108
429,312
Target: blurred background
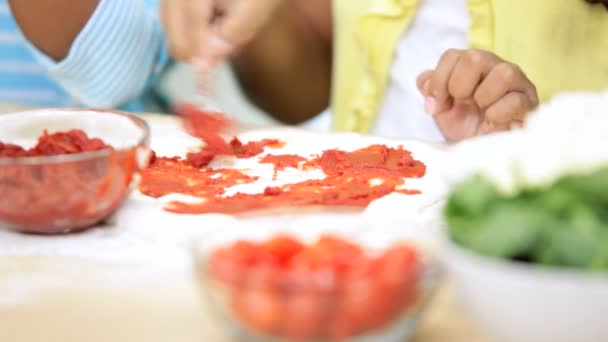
180,83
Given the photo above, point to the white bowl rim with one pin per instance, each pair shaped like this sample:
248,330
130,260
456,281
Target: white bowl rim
450,249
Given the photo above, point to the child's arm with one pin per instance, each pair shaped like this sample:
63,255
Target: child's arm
52,25
103,52
286,70
281,49
473,92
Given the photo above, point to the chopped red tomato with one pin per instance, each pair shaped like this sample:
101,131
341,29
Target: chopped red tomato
43,198
365,304
69,142
11,151
304,315
259,309
329,289
283,247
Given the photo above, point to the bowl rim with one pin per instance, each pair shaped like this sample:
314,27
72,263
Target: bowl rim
430,266
140,123
452,250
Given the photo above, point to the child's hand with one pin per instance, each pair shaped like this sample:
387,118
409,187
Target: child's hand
474,92
207,31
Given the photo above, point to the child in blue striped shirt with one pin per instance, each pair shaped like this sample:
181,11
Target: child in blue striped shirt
94,53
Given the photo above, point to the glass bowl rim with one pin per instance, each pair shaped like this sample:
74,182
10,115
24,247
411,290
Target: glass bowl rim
140,123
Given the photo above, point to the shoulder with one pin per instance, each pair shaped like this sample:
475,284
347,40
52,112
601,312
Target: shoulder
316,14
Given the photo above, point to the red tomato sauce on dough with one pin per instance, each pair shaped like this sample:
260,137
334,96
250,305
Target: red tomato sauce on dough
281,162
209,127
183,176
235,148
354,179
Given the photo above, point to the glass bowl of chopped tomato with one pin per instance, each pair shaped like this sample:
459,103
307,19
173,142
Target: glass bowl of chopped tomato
282,286
64,170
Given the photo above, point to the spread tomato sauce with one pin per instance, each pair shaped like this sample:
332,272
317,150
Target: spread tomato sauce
206,125
56,197
183,176
209,127
330,289
281,162
353,178
235,148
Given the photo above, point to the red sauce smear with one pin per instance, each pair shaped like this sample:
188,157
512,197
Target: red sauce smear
209,127
353,179
331,289
206,125
235,148
283,161
62,196
184,176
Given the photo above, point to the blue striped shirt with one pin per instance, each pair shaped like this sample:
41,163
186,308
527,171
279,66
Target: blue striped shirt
113,63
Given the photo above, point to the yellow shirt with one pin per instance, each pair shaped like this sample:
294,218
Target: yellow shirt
561,46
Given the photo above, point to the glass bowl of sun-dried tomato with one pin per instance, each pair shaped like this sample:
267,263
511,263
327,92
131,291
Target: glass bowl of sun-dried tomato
64,170
331,287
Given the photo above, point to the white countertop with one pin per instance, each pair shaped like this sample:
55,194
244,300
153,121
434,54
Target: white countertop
73,298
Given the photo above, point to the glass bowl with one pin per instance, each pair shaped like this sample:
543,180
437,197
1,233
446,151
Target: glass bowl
68,193
340,287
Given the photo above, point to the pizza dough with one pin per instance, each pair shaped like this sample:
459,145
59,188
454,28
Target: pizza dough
138,264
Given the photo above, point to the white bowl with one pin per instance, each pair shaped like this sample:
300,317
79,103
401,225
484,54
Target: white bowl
521,302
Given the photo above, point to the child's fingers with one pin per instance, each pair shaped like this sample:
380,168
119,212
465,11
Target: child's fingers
441,76
512,107
244,20
186,23
216,49
197,25
172,19
423,82
460,122
488,127
471,68
516,125
502,79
